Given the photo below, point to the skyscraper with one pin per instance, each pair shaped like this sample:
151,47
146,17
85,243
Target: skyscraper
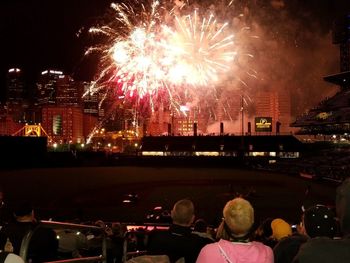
15,86
59,98
47,86
68,91
276,105
16,103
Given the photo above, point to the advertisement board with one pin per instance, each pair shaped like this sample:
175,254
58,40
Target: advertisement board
263,124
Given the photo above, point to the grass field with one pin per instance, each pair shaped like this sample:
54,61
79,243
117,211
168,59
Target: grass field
92,193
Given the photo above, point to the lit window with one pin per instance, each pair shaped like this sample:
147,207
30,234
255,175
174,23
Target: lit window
153,153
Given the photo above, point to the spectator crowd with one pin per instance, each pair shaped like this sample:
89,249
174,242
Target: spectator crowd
323,235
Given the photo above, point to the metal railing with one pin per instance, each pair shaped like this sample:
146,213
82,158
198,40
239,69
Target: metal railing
145,229
60,225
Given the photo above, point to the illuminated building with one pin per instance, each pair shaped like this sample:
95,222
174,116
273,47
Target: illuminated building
183,123
158,122
15,86
16,104
90,108
165,122
184,126
284,108
47,86
276,105
111,112
89,123
7,124
59,98
68,91
63,124
55,88
250,147
121,117
90,100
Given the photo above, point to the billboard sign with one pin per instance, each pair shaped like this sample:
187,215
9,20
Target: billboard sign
263,124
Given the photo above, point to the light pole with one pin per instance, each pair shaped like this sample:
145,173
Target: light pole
242,114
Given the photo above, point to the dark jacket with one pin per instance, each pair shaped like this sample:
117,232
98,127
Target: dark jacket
324,250
42,247
177,242
288,247
5,215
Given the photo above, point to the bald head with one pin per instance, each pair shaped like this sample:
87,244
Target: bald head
183,212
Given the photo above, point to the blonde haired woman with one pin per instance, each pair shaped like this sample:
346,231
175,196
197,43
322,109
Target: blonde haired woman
234,245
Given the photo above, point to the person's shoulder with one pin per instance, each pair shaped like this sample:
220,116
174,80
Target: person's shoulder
211,246
261,247
159,232
261,251
258,244
324,243
320,241
158,236
201,238
323,249
294,239
12,258
318,245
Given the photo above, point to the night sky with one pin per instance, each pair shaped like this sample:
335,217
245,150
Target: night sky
38,34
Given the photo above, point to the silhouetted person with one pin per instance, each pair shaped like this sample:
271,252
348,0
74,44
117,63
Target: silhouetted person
201,229
43,244
271,231
324,249
317,221
179,241
5,215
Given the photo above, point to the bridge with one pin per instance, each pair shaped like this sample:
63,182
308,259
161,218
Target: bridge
31,130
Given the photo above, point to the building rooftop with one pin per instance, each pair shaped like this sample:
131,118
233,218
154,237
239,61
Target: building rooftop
221,143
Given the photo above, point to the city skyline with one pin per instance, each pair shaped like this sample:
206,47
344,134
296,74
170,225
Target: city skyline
43,35
59,100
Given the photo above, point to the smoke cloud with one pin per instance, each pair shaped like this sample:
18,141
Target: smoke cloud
281,48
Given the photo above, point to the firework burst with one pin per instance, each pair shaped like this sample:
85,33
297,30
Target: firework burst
128,64
153,57
144,56
203,51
